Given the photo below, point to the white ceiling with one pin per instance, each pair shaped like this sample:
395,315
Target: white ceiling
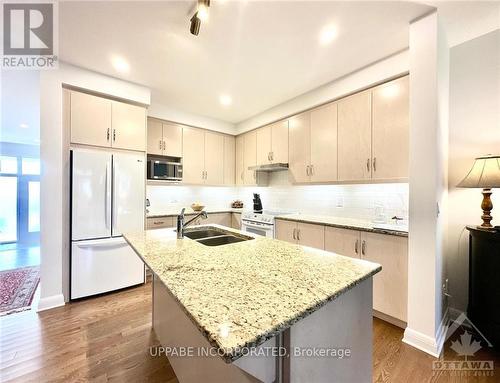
261,53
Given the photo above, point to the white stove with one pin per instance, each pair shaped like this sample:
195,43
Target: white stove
260,223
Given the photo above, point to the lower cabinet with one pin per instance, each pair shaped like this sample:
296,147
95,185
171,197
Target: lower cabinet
305,234
160,222
236,221
223,219
390,285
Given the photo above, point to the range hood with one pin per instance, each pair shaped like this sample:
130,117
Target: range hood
269,167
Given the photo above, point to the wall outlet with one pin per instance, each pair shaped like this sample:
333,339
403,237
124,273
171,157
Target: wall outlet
340,202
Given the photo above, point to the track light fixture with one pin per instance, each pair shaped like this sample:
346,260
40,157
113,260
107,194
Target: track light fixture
200,15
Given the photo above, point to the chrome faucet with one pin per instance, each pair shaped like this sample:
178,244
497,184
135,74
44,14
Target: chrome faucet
181,225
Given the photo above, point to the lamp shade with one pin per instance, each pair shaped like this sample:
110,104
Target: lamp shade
485,173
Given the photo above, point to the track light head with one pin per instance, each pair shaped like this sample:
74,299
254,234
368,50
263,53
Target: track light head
195,25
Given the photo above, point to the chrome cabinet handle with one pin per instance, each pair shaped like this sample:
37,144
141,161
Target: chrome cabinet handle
158,222
298,234
269,156
107,135
114,135
368,164
160,145
164,146
272,156
312,170
363,247
307,170
374,164
293,234
356,244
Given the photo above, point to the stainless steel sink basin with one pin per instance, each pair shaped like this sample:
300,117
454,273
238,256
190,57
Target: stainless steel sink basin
221,240
206,233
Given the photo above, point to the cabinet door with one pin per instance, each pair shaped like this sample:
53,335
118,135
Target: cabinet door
172,139
279,141
300,147
311,235
159,223
239,163
324,143
229,160
354,137
214,159
390,130
285,230
343,241
155,137
223,219
193,159
129,126
250,158
236,221
264,145
90,120
390,286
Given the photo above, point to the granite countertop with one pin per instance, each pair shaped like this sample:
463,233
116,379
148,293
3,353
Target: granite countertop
242,294
347,223
175,211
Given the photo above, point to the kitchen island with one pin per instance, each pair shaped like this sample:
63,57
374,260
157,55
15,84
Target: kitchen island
259,310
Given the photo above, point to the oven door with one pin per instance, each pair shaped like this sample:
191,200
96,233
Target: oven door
259,228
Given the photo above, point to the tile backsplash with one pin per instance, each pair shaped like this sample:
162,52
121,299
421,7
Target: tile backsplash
363,201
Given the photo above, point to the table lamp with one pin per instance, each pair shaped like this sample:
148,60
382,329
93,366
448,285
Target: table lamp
485,173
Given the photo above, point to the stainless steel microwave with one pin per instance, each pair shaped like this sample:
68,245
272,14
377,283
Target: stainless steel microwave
164,168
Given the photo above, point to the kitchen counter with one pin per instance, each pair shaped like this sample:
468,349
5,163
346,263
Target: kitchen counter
347,223
242,294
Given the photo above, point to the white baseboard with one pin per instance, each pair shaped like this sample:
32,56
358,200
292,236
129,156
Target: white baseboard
430,345
51,302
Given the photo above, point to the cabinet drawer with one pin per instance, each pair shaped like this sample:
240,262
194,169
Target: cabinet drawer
159,223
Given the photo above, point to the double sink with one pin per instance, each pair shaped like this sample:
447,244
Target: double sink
212,236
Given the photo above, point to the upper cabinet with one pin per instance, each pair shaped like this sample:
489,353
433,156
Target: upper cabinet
129,126
323,141
300,147
229,160
354,137
272,143
102,122
193,159
239,162
250,158
204,157
164,138
390,130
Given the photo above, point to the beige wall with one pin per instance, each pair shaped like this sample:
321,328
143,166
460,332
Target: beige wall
474,131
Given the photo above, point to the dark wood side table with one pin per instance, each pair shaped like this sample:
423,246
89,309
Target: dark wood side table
484,282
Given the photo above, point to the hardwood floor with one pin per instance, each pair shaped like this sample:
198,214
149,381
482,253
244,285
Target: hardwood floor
108,339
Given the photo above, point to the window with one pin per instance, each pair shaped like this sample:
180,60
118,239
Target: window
8,165
33,206
8,209
31,166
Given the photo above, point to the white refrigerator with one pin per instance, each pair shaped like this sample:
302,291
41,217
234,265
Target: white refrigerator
107,199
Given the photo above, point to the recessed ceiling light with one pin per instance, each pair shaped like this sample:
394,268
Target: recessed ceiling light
328,34
225,100
120,64
23,126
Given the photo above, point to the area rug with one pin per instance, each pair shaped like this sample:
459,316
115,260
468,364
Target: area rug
17,288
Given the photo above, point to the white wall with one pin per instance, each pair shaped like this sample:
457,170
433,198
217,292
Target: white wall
167,113
380,71
54,155
474,131
427,183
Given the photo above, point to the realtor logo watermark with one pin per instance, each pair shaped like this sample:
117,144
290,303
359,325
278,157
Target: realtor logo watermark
466,346
29,35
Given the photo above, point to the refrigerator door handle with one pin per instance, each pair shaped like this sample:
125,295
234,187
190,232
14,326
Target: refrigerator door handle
92,245
114,216
107,198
